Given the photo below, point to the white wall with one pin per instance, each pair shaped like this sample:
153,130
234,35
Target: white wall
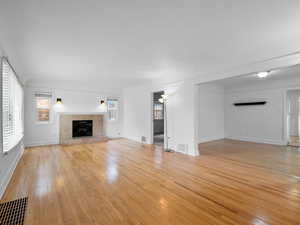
73,102
263,124
293,112
180,111
210,112
9,161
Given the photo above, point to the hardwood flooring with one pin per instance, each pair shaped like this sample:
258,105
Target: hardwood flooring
294,141
124,182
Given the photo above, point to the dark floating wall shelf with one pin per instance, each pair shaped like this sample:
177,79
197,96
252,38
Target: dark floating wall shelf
249,103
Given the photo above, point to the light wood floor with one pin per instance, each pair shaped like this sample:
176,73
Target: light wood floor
294,141
123,182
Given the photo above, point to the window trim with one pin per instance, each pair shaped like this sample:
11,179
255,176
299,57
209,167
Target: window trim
1,105
118,110
160,110
35,95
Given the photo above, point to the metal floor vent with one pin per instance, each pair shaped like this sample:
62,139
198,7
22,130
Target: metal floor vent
13,212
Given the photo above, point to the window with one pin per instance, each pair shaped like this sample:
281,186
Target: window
43,107
12,107
112,109
158,111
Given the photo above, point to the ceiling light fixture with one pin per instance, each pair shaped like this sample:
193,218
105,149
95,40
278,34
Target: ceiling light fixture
263,74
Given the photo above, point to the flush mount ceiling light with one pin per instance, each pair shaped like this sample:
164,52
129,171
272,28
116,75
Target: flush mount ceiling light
263,74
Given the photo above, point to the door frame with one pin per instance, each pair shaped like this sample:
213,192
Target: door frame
152,118
285,113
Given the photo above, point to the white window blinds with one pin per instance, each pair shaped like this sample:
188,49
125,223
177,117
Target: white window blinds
12,107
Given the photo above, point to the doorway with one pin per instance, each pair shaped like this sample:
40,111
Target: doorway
293,113
158,119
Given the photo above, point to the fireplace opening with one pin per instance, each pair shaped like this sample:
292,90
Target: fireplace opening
82,128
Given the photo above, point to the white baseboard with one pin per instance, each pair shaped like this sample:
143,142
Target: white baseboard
209,139
191,152
41,143
258,140
194,153
137,139
10,171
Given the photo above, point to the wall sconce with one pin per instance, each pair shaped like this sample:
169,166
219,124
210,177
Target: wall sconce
58,101
102,107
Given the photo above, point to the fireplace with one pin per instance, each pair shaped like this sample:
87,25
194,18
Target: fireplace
82,128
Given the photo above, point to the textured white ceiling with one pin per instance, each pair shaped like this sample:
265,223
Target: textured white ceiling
115,44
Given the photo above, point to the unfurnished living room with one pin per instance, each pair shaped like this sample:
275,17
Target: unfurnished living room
150,112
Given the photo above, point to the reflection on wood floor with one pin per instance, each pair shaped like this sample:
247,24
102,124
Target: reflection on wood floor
124,182
158,139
